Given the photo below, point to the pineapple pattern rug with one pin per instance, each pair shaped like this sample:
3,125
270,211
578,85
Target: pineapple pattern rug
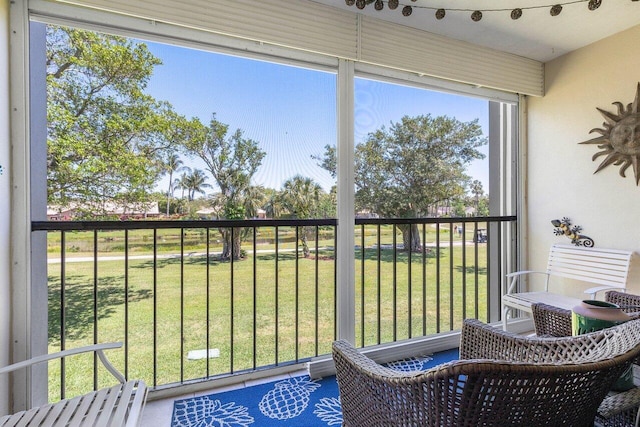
297,401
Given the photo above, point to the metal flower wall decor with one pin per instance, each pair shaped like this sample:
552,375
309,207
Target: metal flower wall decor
620,138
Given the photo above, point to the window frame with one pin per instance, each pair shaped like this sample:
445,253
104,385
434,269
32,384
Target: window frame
27,268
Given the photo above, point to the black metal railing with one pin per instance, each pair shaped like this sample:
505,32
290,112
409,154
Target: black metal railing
444,278
190,305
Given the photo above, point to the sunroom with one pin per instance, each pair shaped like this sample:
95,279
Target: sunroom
275,305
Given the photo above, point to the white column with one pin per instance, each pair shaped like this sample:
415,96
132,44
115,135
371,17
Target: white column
503,167
345,153
28,120
5,197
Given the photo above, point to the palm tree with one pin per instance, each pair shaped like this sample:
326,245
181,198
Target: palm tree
173,164
301,196
477,191
196,183
273,206
254,198
217,201
183,181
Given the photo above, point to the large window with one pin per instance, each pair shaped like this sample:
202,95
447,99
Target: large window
422,156
139,130
143,131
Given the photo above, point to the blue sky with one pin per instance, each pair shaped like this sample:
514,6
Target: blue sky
290,111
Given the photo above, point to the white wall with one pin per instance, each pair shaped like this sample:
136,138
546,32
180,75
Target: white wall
5,153
561,180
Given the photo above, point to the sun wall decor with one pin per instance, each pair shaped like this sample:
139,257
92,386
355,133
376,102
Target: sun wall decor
620,138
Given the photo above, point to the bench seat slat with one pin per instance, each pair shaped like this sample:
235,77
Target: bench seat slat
524,300
120,406
127,392
117,406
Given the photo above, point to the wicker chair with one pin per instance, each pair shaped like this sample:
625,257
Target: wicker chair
629,303
556,322
617,409
502,379
550,321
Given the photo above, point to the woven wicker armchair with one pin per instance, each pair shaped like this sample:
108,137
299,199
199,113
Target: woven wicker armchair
550,321
502,379
617,409
556,322
629,303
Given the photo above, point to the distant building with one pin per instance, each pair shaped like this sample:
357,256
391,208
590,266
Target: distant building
135,211
207,213
55,213
365,213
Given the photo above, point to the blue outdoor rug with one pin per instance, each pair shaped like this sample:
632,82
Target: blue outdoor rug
297,401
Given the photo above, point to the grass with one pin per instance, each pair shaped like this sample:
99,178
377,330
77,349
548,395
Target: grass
167,307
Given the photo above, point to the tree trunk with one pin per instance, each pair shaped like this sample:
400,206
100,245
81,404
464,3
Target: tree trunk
410,237
305,244
229,247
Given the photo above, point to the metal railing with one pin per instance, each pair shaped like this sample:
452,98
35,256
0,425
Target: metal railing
185,312
452,273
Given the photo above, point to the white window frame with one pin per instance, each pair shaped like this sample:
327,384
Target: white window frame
27,266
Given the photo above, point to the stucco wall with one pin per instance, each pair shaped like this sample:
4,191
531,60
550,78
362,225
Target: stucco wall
561,180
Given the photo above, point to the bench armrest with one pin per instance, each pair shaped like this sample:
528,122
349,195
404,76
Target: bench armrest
592,292
98,348
515,275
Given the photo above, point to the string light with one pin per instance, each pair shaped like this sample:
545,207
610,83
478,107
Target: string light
476,15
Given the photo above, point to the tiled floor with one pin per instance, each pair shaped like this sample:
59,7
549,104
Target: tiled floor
158,413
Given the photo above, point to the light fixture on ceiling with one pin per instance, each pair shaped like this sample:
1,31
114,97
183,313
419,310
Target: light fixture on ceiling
476,15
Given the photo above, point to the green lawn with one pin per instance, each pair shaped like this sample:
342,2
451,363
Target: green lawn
178,292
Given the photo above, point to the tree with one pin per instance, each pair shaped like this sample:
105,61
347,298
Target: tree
458,208
232,160
195,182
273,205
172,164
415,164
254,199
327,207
477,191
183,182
216,202
301,197
328,161
483,207
106,137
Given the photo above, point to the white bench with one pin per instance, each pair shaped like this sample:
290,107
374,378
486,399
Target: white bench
607,268
117,406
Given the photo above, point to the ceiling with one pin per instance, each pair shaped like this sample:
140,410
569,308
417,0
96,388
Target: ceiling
536,34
